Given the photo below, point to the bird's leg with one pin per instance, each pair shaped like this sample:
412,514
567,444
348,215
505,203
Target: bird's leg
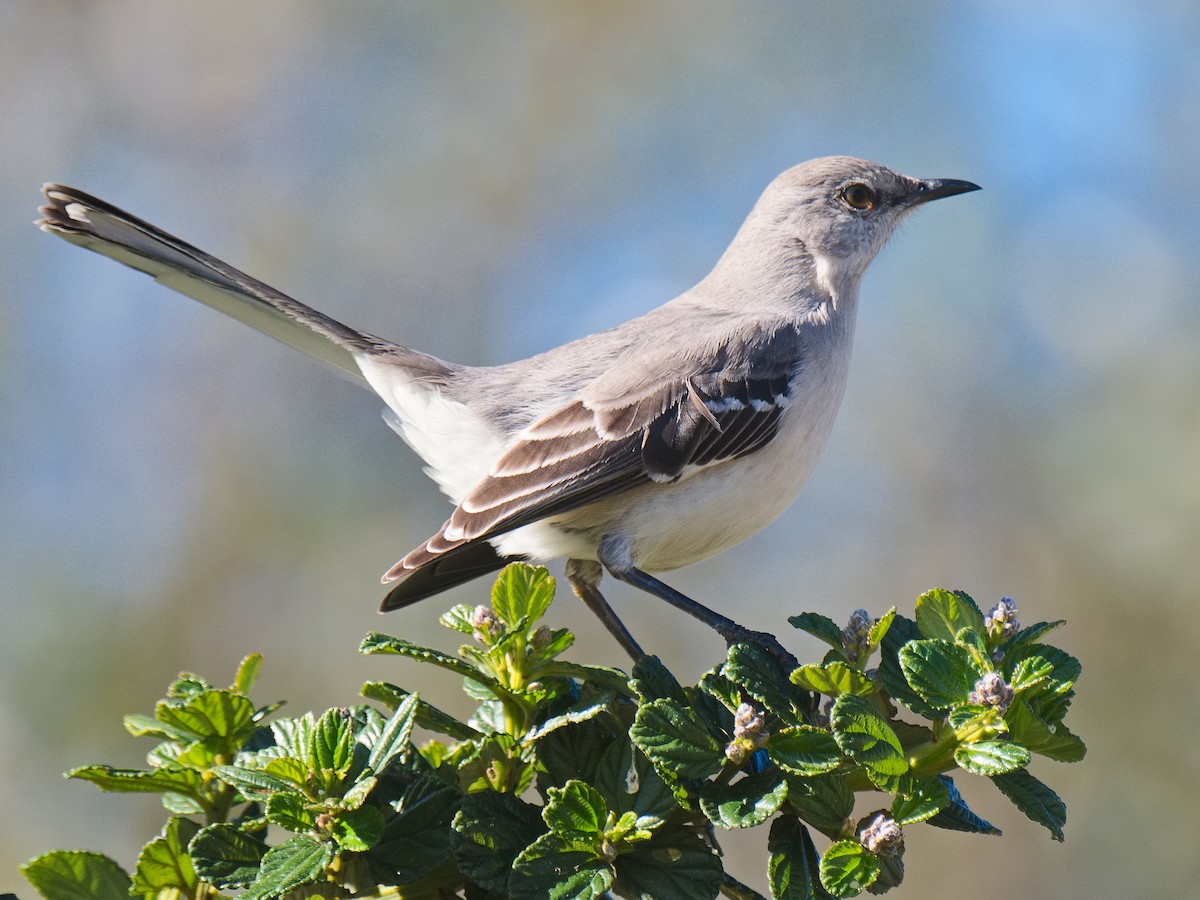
584,576
614,558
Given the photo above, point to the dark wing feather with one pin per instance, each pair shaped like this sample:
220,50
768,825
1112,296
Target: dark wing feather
580,453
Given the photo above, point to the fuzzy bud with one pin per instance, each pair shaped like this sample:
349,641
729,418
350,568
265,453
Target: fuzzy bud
854,635
881,835
1001,621
992,690
484,622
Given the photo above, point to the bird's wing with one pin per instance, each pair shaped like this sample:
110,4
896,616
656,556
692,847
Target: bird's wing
103,228
593,448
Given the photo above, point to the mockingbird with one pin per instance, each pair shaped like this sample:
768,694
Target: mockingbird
640,449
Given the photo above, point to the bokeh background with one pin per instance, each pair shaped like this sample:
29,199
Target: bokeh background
485,181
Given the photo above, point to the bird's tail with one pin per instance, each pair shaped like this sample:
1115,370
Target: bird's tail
105,229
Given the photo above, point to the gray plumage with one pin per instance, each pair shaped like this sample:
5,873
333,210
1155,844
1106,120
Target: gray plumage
640,449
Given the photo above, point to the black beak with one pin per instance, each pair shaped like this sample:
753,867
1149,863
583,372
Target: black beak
936,188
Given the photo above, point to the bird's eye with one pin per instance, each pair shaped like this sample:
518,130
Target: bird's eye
858,196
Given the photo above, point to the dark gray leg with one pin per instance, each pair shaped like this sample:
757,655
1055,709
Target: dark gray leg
584,576
614,557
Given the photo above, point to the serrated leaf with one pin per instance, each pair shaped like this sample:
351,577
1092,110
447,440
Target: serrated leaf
575,810
1030,635
164,863
522,591
818,626
247,673
459,618
863,734
292,812
428,716
795,869
804,750
879,630
651,680
154,781
891,677
211,714
990,758
252,781
601,676
548,868
833,679
417,840
147,726
375,642
1028,672
674,863
1062,746
489,831
957,816
942,614
922,799
1064,668
760,674
298,861
332,747
294,736
750,800
848,868
942,673
396,733
581,712
824,802
1034,799
676,741
290,770
358,830
628,782
225,856
77,875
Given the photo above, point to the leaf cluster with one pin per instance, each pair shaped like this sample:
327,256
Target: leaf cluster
574,781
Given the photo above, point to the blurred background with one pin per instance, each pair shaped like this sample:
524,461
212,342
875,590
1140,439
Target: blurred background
486,181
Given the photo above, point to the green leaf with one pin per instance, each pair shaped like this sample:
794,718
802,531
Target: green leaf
651,680
489,831
211,714
990,758
628,782
1062,746
395,736
522,591
1029,635
602,676
676,741
1064,668
674,863
358,830
247,673
146,726
957,816
942,673
819,626
863,734
848,868
794,870
182,781
1030,671
942,614
575,811
824,802
164,863
878,631
252,781
761,675
225,856
833,679
292,812
459,618
922,799
375,642
77,875
804,750
332,746
290,770
548,868
298,861
427,716
1034,799
892,677
417,840
750,800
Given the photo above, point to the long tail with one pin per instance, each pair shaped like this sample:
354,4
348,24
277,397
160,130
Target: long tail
105,229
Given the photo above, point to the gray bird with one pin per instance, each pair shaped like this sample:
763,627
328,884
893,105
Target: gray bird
640,449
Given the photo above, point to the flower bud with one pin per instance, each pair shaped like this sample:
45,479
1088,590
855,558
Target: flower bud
992,690
855,634
880,834
1001,621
